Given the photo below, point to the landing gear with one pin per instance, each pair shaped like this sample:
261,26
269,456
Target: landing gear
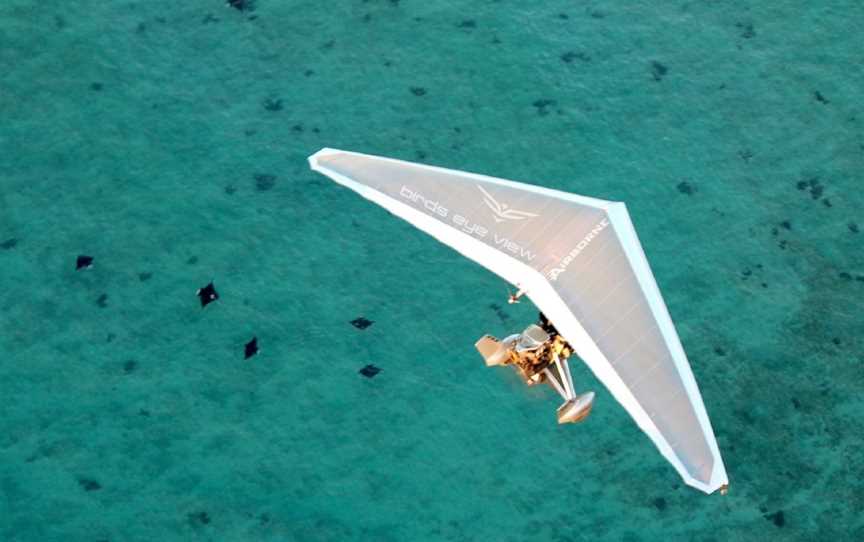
540,356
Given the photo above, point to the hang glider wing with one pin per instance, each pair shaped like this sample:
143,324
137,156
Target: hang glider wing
581,263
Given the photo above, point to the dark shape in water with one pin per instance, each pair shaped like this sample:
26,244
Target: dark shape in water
207,294
144,276
369,371
777,517
853,227
658,70
813,184
9,243
130,366
468,23
746,29
264,181
686,188
418,91
251,348
83,262
102,301
659,503
542,104
570,56
361,322
241,5
271,104
202,518
89,485
819,98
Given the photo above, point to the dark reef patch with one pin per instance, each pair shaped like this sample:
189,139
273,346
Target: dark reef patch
361,322
241,5
96,86
853,227
570,56
129,366
659,503
230,189
264,181
144,277
9,244
719,351
686,188
746,30
199,518
777,518
418,91
369,371
658,70
102,301
542,105
468,23
813,186
89,485
820,98
192,261
273,104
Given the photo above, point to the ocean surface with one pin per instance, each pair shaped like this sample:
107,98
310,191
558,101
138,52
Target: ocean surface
168,141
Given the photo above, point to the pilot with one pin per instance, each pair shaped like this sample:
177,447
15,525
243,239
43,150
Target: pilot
547,325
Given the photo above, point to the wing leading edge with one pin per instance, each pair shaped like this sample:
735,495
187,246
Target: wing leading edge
582,264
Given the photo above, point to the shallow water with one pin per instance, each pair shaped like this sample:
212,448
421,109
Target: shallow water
168,140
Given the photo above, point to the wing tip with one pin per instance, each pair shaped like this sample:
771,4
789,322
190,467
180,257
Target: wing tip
323,152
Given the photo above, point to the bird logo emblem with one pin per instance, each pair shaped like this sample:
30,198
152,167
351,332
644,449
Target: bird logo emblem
501,211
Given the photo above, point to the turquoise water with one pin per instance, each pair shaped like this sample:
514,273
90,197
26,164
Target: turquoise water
168,141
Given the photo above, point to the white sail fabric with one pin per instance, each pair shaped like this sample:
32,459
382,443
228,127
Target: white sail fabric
579,260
